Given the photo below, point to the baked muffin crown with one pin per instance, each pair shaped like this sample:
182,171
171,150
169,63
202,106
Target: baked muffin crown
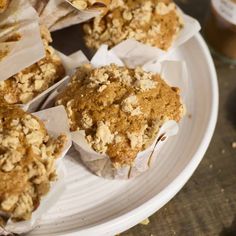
153,22
27,161
120,109
33,80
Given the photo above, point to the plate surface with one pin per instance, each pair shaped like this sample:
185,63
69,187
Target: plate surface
95,206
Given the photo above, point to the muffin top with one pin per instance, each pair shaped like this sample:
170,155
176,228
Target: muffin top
27,84
27,161
120,109
85,4
152,22
3,5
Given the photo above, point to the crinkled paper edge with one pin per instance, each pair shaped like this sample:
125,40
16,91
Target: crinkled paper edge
58,14
134,53
23,20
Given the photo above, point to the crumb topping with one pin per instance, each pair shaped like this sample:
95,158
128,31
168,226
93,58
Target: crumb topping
86,4
130,105
122,119
153,22
3,5
27,161
27,84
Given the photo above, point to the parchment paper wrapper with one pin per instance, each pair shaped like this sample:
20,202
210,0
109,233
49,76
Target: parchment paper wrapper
56,122
174,73
58,14
101,165
70,64
131,51
20,40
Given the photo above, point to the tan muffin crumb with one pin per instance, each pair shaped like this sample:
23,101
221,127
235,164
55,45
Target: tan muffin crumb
27,84
145,222
3,5
86,4
27,161
234,145
124,118
153,22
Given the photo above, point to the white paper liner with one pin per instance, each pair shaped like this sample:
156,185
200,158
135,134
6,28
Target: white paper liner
58,14
135,53
70,64
174,73
20,18
101,165
56,122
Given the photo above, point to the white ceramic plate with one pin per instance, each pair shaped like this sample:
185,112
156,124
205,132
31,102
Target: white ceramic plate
93,206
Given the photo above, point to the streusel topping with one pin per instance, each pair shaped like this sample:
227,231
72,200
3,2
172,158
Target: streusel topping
120,109
27,161
86,4
153,22
27,84
3,5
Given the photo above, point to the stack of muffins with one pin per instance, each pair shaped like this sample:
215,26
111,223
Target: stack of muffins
120,110
28,153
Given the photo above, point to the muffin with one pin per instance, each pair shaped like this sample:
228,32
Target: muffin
121,110
30,82
3,5
152,22
27,162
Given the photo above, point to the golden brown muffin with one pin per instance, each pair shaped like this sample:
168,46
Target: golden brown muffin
4,5
152,22
27,161
120,109
27,84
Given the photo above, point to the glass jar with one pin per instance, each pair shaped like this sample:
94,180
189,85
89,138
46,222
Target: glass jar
220,29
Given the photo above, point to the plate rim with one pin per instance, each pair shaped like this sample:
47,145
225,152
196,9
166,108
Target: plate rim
133,217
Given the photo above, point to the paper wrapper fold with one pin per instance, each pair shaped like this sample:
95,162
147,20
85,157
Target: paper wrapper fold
131,51
70,64
20,39
58,14
101,165
56,122
174,73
